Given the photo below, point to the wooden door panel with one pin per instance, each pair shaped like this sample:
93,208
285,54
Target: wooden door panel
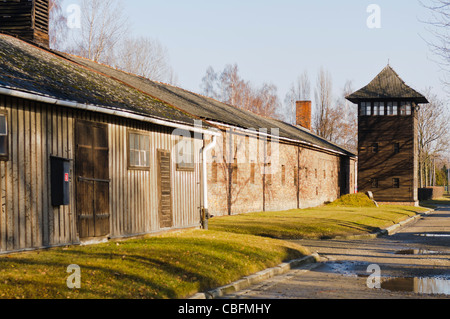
92,179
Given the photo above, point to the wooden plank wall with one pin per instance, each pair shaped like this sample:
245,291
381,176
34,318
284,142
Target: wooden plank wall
38,131
27,218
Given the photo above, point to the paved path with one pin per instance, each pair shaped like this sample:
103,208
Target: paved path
419,255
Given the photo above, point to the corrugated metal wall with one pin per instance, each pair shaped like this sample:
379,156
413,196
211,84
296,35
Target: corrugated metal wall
38,131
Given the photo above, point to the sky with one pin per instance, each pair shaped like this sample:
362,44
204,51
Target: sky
275,41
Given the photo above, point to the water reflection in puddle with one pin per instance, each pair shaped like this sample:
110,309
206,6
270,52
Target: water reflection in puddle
418,252
434,286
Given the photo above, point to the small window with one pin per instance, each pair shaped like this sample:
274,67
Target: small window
283,174
381,110
392,108
3,137
395,108
405,108
362,111
396,148
376,108
396,183
368,109
374,182
375,148
139,150
185,154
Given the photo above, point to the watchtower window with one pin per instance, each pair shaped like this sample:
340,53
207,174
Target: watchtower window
392,108
405,108
396,182
378,108
366,109
396,148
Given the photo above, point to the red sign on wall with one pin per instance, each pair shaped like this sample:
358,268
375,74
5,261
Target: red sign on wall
66,177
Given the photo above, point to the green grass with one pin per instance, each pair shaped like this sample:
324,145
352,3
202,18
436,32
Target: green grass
170,266
445,200
353,200
316,223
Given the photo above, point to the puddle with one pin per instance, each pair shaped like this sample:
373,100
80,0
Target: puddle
418,252
431,286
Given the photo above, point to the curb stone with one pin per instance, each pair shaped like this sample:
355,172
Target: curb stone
287,266
389,230
259,277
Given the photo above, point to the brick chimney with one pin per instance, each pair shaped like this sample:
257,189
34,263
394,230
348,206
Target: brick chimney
26,19
303,114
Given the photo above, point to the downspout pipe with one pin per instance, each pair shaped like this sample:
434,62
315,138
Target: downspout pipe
204,151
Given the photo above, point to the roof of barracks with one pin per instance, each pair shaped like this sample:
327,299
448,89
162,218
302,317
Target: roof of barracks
40,71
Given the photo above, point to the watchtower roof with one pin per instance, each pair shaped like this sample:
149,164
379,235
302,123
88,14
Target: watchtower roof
387,85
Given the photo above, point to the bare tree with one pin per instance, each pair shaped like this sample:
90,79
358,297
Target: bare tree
300,91
103,26
58,26
434,137
439,24
145,57
230,88
347,128
325,115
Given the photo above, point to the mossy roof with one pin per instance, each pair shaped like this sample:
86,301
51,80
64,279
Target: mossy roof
210,109
25,67
28,68
387,85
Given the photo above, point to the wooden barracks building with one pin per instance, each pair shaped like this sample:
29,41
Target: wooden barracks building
88,152
388,138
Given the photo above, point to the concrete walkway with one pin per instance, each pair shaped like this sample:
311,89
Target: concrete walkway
412,257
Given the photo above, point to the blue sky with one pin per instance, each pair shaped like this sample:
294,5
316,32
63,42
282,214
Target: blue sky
274,41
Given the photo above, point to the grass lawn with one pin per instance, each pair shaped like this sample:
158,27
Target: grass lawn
173,266
445,200
323,222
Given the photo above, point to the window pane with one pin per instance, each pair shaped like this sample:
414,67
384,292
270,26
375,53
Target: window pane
3,130
376,109
408,109
132,158
142,159
131,139
381,109
3,145
395,108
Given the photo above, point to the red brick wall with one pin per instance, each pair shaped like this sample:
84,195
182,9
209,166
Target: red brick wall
252,190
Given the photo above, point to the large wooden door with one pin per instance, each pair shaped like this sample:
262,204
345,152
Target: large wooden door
164,189
92,179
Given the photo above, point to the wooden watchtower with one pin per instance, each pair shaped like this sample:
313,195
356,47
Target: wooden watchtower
388,138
